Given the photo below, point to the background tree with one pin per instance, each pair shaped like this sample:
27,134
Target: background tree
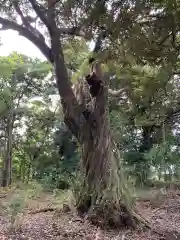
19,82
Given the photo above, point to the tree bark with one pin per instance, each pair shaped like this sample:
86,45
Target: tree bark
104,194
143,167
7,171
146,139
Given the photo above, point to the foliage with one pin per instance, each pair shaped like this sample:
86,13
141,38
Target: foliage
35,154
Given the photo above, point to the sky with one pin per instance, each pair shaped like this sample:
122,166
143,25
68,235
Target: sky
11,41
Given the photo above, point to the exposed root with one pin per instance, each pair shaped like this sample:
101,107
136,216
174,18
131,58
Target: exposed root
41,210
145,223
65,208
110,215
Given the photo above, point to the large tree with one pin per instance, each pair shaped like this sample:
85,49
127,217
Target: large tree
88,19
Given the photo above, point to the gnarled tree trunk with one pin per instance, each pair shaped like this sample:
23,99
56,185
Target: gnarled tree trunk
104,192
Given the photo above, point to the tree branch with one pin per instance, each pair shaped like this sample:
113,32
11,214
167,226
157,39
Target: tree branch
25,32
71,108
99,40
19,12
40,11
72,31
26,22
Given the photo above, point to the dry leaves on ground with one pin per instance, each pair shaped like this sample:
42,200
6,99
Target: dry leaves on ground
61,226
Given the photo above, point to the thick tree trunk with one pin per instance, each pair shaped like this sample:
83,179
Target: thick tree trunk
105,190
104,196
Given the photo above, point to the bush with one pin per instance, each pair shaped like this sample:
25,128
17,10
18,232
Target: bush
16,206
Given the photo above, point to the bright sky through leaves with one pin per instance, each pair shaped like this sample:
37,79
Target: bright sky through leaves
11,41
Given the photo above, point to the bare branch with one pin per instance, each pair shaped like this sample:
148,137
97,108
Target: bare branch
72,31
19,12
41,13
26,22
25,32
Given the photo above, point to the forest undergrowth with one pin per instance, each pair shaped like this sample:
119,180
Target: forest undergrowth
30,213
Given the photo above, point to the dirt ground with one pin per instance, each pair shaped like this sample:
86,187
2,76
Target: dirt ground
163,213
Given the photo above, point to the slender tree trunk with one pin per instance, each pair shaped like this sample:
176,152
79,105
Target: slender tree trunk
7,171
159,169
29,169
146,139
170,173
20,170
145,147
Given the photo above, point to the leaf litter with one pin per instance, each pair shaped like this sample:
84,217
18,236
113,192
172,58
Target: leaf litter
58,225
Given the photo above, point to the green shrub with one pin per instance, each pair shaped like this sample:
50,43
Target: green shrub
16,206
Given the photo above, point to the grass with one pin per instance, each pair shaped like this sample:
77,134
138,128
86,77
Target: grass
23,198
